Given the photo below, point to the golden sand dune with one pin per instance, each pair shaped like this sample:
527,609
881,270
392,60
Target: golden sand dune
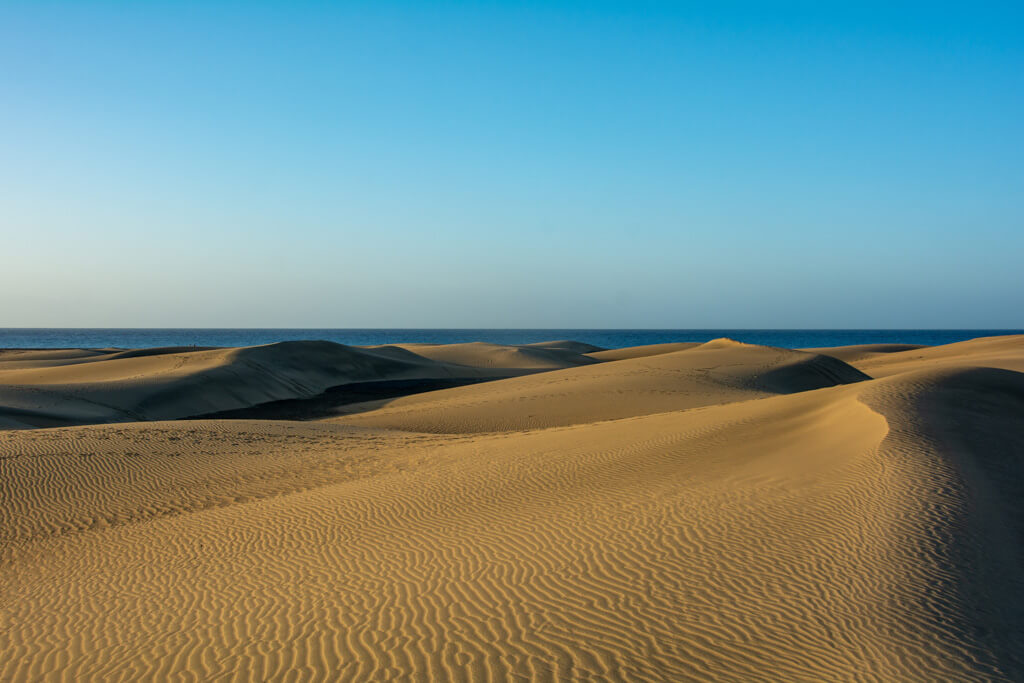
34,358
641,351
532,357
48,388
716,372
834,534
807,526
566,345
863,352
995,352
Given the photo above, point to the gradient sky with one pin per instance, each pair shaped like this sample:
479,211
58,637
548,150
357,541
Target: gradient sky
517,164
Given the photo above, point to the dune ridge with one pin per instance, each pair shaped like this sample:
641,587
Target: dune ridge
41,389
719,371
641,351
884,360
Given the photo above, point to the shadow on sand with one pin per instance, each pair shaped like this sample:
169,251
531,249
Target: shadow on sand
327,403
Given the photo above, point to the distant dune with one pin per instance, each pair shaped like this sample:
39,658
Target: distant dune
717,372
483,355
641,351
567,345
863,352
995,352
53,388
719,511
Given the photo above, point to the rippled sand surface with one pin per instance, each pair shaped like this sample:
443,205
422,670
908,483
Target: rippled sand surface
686,512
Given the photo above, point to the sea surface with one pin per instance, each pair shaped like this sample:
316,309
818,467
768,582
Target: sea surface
32,338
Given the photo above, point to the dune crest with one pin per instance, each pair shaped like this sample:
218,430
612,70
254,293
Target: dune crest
44,389
707,374
484,355
641,351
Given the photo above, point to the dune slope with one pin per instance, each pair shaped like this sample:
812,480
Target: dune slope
1005,352
566,345
843,533
739,513
642,351
863,352
886,360
716,372
49,389
551,356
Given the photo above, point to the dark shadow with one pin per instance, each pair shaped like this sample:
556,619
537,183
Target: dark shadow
325,404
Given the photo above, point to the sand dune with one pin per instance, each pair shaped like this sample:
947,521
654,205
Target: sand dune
803,523
33,358
863,352
995,352
716,372
50,389
642,351
483,355
567,345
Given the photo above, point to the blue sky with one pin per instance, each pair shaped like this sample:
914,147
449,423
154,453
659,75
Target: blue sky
517,164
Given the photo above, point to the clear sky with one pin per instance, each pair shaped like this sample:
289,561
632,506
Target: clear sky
512,164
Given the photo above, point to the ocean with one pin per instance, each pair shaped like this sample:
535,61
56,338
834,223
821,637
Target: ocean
31,338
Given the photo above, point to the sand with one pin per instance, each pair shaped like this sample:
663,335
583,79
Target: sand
47,388
719,371
713,512
885,360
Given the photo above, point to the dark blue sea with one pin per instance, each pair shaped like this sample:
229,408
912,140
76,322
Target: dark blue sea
30,338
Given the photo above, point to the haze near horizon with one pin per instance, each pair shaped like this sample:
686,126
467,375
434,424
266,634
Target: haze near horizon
567,165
